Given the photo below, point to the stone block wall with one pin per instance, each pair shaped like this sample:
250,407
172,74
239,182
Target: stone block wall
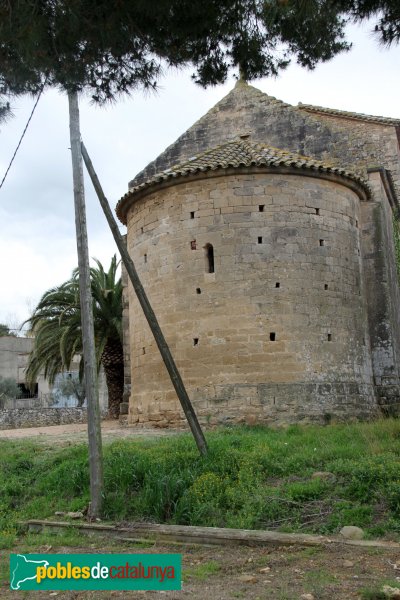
279,332
382,291
15,418
124,406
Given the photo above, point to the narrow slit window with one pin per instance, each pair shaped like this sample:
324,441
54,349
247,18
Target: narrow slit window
192,214
326,286
261,207
277,285
317,211
356,223
259,239
209,255
143,350
195,341
322,242
329,337
141,230
145,258
272,336
193,245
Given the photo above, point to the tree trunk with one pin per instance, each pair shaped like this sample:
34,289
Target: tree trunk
113,363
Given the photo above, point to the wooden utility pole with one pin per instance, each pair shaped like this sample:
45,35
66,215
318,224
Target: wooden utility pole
89,351
148,312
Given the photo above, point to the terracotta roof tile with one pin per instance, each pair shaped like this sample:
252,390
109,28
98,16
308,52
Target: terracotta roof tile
235,154
349,115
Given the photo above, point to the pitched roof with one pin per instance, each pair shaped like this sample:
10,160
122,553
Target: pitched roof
244,109
349,115
235,154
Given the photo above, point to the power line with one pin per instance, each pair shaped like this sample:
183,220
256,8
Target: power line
23,134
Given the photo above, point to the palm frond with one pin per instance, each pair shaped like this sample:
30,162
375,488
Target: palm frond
56,321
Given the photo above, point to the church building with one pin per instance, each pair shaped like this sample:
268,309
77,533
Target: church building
264,239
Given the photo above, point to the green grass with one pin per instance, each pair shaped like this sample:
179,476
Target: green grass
252,478
201,572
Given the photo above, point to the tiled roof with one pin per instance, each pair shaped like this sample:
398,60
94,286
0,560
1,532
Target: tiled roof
349,115
235,154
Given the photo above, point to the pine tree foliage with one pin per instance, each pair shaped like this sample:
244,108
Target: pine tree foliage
112,47
385,16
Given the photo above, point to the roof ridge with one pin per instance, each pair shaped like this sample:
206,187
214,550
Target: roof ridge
349,114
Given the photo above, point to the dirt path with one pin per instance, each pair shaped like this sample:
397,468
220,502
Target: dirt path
77,432
273,573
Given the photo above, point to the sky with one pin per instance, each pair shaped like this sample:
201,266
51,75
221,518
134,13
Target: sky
37,227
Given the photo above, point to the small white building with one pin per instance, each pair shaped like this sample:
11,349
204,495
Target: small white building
14,356
14,353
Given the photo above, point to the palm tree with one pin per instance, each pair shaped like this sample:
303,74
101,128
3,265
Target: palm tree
56,327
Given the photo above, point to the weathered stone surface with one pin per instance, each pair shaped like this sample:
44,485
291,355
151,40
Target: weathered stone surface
74,514
391,592
348,564
351,532
247,579
249,350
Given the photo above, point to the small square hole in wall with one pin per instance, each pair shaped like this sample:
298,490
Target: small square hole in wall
192,214
322,242
329,337
277,285
195,341
259,239
326,286
272,336
317,211
193,245
261,207
198,291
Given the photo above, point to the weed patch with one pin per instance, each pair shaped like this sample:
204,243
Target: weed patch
251,478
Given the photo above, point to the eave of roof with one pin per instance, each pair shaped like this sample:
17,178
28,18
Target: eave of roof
350,115
236,154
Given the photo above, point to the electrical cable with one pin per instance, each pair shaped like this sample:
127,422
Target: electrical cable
23,134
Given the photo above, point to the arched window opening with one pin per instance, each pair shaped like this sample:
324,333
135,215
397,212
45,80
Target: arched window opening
209,254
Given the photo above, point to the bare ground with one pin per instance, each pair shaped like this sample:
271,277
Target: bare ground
276,573
77,432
